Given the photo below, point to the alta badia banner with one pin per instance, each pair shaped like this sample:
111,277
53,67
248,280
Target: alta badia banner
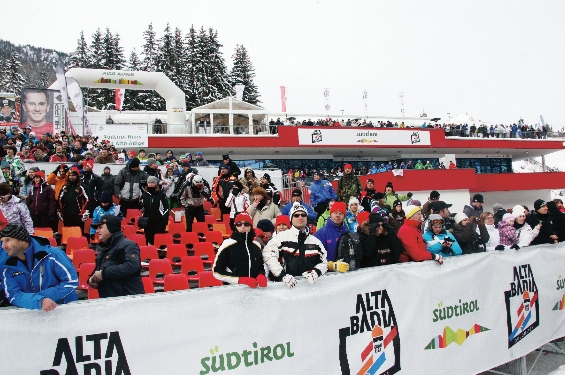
471,314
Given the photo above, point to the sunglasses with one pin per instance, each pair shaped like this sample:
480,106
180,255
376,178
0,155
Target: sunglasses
437,221
299,215
378,225
244,223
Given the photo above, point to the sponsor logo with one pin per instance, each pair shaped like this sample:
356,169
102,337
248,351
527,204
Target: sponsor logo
448,335
370,344
232,360
560,285
522,308
367,134
90,356
316,136
415,137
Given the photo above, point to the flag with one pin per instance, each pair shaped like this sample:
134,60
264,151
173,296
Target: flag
283,98
120,98
239,91
61,79
75,93
398,172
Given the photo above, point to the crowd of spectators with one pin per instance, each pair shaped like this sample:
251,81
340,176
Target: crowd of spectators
272,240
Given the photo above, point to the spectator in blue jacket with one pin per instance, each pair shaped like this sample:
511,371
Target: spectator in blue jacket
330,233
107,207
438,240
297,198
37,276
321,192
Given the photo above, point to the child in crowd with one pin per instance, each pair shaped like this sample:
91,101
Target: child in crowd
508,236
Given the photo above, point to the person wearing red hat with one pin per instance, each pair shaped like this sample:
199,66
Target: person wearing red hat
239,259
282,223
330,234
349,185
41,202
300,253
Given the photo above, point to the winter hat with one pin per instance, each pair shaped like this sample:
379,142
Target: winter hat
225,157
537,204
508,216
35,169
397,203
113,223
105,197
185,164
198,153
282,219
478,198
316,174
40,174
75,171
460,217
497,207
375,218
16,231
297,193
266,225
296,207
518,210
411,211
150,162
389,184
259,191
431,219
352,200
434,194
108,168
338,207
363,217
152,179
378,195
416,202
267,177
134,163
223,166
89,164
244,216
347,166
5,164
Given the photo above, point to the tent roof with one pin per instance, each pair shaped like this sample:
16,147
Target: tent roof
225,104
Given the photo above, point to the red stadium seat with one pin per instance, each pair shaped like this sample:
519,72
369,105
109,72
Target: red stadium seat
75,243
222,228
83,256
53,242
210,219
67,232
137,238
191,266
158,268
176,282
215,237
129,229
87,225
207,279
146,253
162,240
176,228
93,293
217,213
147,285
205,250
207,206
175,253
188,239
86,269
132,213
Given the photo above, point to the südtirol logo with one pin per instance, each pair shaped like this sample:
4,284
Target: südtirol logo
370,344
522,308
367,137
560,285
448,335
252,357
316,136
88,356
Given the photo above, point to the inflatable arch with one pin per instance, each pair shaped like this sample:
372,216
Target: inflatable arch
134,80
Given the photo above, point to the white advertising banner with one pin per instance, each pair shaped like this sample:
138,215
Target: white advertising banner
470,314
122,136
363,137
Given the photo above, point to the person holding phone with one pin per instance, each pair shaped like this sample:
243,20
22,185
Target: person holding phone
438,240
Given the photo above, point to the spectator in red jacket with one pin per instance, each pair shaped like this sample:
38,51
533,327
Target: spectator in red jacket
411,237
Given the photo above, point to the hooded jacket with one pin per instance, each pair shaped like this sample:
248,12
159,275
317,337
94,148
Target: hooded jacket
434,243
48,273
118,259
507,234
41,200
128,183
238,256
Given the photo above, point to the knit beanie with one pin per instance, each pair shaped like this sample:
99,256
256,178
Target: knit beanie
363,217
16,231
338,207
508,216
518,211
266,225
150,162
105,197
134,163
497,207
282,219
297,207
460,217
152,179
411,211
244,216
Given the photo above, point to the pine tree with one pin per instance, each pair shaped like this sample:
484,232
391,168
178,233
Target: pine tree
80,58
131,97
166,62
179,57
12,80
149,64
202,90
219,77
94,97
190,87
243,73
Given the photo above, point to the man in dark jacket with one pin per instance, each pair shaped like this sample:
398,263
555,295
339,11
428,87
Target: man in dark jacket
92,185
541,215
476,207
128,185
118,265
233,168
108,180
73,200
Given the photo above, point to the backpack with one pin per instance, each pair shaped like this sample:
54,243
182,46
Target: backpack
347,242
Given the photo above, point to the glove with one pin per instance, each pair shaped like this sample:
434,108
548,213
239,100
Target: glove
261,280
289,280
339,265
515,246
249,281
438,258
311,276
499,247
60,216
409,195
85,216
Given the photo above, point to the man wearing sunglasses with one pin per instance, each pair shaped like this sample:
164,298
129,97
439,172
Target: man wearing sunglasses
301,254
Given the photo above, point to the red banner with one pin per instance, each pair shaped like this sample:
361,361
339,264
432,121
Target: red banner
283,98
119,98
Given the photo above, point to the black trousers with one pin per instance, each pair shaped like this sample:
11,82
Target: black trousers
152,228
41,221
192,212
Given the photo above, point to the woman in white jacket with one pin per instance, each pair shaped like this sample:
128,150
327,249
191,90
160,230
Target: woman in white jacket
487,218
169,187
237,200
526,234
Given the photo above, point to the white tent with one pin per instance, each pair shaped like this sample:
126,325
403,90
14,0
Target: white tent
226,113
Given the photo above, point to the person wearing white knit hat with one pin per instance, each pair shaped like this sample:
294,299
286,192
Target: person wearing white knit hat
411,237
472,236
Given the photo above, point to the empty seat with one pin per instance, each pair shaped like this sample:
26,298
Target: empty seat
87,225
43,232
83,256
207,206
86,269
217,213
129,229
147,285
53,241
158,268
75,243
67,232
176,228
162,240
215,237
175,252
210,219
176,282
200,228
207,279
137,238
146,253
132,213
222,228
226,218
205,250
191,266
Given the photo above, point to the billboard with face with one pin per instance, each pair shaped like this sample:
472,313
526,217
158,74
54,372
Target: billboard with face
8,111
38,109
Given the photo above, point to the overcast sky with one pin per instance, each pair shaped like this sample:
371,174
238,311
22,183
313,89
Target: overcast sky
495,60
